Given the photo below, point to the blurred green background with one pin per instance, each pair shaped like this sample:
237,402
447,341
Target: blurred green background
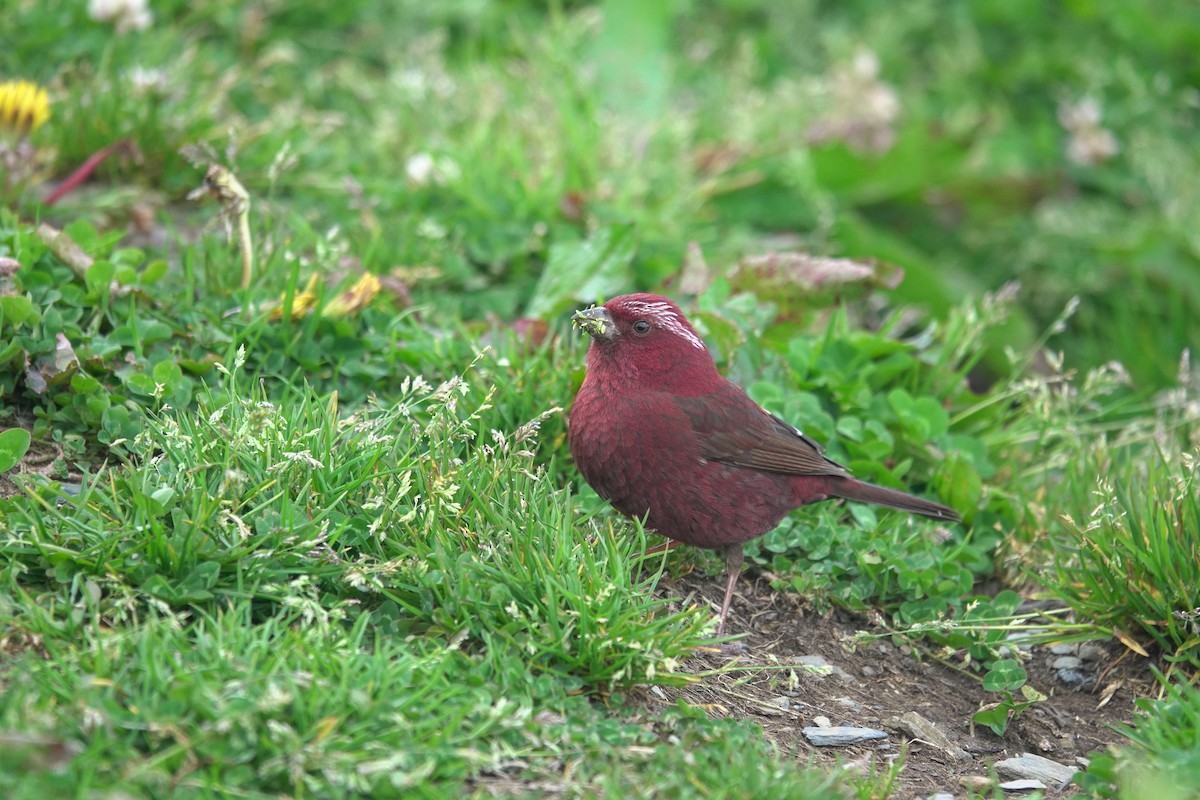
461,142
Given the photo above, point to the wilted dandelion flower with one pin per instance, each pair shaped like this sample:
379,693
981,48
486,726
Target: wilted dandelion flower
24,106
354,299
345,303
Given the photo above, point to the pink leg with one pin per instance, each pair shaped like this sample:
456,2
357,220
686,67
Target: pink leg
733,566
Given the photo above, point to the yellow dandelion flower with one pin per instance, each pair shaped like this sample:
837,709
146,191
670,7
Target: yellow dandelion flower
24,106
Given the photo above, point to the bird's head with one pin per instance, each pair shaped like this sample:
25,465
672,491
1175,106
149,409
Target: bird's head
646,339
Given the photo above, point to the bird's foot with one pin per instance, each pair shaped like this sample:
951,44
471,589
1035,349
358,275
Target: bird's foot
726,649
732,649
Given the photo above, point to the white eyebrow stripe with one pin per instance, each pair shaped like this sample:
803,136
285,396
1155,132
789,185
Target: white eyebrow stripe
665,317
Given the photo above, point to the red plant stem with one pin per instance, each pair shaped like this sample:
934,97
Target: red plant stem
80,175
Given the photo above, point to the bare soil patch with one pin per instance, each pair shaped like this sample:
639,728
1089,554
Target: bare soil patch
875,683
42,459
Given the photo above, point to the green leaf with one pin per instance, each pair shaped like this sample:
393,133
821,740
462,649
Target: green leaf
168,373
99,278
851,428
140,383
1006,675
14,444
153,272
155,332
583,272
161,500
117,424
995,718
84,384
958,482
16,310
203,578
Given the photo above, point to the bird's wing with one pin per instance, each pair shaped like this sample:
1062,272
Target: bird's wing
733,429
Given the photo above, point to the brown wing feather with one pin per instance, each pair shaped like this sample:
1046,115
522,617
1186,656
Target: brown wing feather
733,429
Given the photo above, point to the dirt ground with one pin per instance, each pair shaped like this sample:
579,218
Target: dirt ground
879,683
40,459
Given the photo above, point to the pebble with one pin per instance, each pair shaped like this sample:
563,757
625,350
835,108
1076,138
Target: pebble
941,796
1035,767
822,722
1020,640
777,705
1071,672
1062,649
869,672
848,703
819,665
841,735
1092,652
1076,679
920,728
1022,786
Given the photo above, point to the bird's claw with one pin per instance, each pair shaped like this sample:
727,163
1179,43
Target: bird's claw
726,649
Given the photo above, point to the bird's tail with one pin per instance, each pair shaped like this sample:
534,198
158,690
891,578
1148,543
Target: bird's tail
870,493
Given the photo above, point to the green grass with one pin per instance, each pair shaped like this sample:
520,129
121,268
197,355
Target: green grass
1162,757
337,555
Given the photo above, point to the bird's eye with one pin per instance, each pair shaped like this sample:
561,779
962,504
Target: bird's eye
641,327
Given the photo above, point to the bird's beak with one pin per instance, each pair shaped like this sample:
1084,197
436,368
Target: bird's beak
595,322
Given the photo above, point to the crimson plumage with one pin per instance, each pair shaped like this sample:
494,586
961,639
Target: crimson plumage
660,434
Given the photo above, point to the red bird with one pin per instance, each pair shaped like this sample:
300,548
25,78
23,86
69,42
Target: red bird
657,432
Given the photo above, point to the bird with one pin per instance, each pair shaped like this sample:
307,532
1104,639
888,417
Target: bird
661,435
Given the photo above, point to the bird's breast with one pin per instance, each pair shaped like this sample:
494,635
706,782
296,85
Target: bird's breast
642,454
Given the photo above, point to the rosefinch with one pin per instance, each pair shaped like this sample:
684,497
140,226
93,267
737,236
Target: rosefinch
657,432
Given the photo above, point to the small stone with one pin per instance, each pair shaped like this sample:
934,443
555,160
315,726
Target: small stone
1075,678
822,722
841,735
1035,767
1020,640
974,781
920,728
777,705
1092,652
848,703
1022,786
941,796
1067,662
862,766
819,665
869,672
1062,649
